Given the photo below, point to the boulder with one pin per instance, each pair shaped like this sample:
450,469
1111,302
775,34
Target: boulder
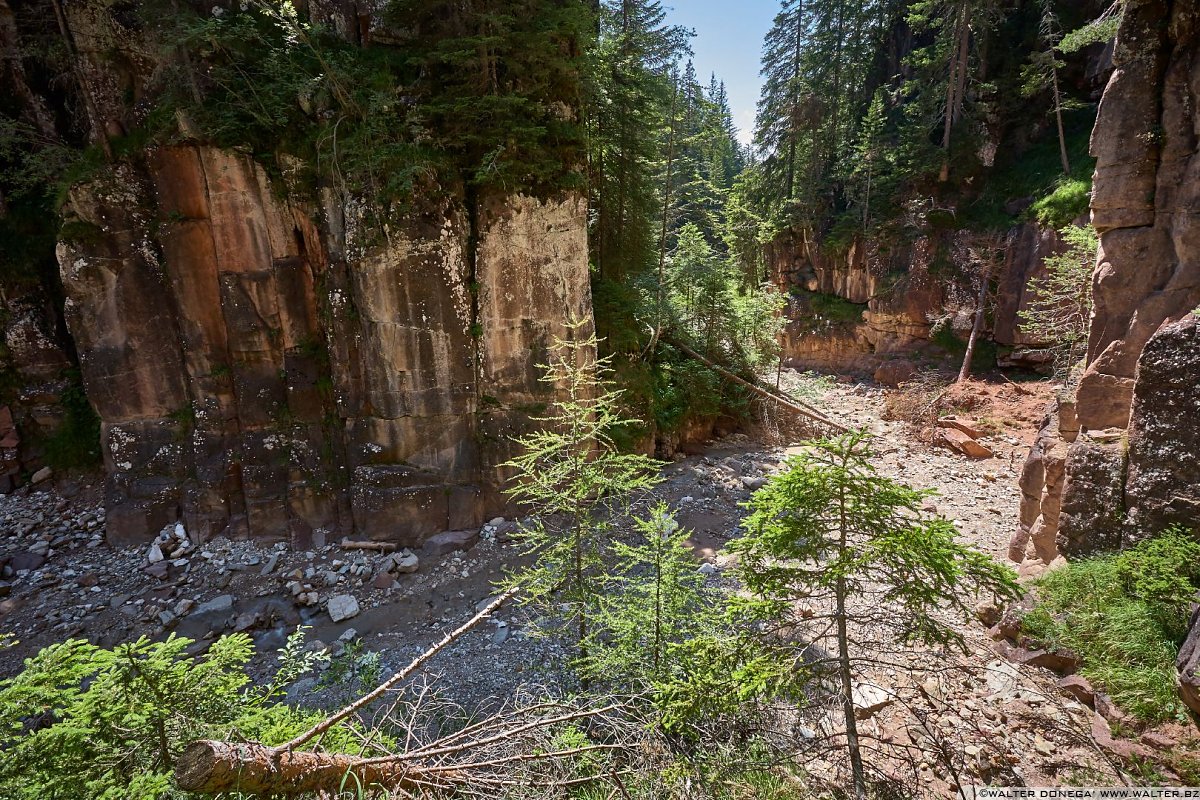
1188,664
222,602
342,607
404,562
966,426
1079,688
19,562
1091,514
1161,482
960,442
894,373
448,541
1055,661
870,699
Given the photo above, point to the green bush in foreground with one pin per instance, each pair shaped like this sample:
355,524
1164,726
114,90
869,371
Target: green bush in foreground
1124,615
84,722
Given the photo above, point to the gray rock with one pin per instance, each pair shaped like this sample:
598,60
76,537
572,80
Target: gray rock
342,607
223,602
404,562
447,542
21,562
41,475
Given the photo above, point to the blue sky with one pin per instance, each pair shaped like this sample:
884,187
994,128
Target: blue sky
728,41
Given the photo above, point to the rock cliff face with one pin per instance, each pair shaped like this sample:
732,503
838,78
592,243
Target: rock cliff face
266,357
901,297
271,367
1123,465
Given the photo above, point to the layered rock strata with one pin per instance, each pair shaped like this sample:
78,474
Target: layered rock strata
901,299
282,368
1125,466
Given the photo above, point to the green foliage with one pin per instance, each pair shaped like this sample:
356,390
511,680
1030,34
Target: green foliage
75,443
654,602
1069,200
1124,615
835,309
84,722
384,120
1060,310
829,519
1098,31
353,673
856,551
628,91
571,474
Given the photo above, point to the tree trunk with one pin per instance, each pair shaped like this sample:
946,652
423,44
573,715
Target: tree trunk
795,406
208,767
1062,139
843,636
794,105
956,83
666,208
980,312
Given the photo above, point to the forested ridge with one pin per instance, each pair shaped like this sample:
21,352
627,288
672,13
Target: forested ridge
443,398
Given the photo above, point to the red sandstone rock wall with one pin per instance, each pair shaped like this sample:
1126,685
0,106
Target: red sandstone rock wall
278,368
1121,469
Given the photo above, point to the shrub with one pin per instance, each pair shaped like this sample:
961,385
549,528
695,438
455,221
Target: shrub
75,444
1124,615
84,722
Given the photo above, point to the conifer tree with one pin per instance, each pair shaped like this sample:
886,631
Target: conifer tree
866,564
1060,310
571,476
656,602
628,94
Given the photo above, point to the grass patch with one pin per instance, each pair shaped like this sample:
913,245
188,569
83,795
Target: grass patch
825,309
1070,199
1124,615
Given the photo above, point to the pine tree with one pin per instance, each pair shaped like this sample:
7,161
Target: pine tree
656,602
571,476
782,112
1041,73
1059,313
628,94
862,558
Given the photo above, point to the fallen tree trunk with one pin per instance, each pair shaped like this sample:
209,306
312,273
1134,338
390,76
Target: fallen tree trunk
795,406
214,767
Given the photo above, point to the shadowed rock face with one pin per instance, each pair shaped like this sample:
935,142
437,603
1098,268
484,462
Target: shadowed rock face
266,359
900,298
1132,469
278,368
1162,486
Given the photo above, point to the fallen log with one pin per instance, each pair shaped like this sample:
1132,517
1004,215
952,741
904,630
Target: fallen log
791,404
211,767
383,547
